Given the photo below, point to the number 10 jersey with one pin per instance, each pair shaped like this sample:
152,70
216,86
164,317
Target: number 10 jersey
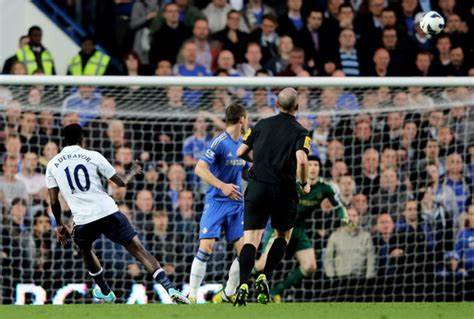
76,171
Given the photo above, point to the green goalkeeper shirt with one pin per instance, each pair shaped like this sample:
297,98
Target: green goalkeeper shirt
310,202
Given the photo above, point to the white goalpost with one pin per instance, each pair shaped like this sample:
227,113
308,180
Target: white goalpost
399,151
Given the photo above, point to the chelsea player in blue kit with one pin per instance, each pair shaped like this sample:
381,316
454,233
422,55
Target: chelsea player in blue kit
223,211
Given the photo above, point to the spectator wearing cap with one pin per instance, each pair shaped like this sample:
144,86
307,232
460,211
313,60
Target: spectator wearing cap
7,66
172,32
90,61
267,38
34,55
254,12
233,39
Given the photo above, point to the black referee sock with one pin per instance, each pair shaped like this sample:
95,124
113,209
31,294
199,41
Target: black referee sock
275,255
246,262
100,281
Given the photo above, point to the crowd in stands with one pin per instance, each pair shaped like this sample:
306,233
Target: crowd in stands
293,38
406,176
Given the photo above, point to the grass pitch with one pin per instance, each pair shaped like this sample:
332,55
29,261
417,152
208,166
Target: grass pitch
253,311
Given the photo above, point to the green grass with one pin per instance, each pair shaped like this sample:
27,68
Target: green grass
253,311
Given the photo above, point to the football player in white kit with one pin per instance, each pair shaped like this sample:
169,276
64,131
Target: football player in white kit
75,172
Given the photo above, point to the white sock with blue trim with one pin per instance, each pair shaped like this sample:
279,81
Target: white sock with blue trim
198,272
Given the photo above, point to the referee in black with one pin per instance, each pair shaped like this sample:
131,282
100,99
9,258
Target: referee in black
278,147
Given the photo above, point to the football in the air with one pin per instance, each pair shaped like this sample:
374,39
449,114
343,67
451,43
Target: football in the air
432,23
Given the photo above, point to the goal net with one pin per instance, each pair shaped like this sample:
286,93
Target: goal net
398,152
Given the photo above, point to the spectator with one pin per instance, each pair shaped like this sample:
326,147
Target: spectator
292,22
173,33
43,244
393,130
133,66
457,30
361,205
98,127
34,55
185,216
90,61
86,102
442,60
267,38
195,145
17,68
254,12
350,252
456,181
226,61
388,18
50,150
34,182
201,40
296,66
368,180
253,57
316,43
420,41
143,213
381,241
391,195
457,67
371,24
463,257
12,117
389,160
161,242
30,139
363,138
431,157
231,38
164,68
348,57
412,250
335,152
176,183
10,185
7,66
48,129
406,17
189,67
217,13
422,64
143,14
400,59
338,169
382,65
175,99
281,61
347,189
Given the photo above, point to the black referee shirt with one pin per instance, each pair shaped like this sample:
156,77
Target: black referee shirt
274,142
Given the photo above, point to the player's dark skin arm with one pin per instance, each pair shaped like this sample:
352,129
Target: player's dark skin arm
62,232
117,180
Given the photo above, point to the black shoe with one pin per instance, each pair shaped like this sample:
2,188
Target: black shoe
242,296
263,291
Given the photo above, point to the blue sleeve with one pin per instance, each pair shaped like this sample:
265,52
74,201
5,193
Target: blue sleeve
212,153
188,147
458,247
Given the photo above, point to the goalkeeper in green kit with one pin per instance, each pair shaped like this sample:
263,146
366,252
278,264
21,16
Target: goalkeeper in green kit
303,247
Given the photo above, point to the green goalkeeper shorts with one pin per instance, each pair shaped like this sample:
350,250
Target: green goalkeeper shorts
299,240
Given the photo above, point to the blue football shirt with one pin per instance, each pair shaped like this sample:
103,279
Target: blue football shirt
221,156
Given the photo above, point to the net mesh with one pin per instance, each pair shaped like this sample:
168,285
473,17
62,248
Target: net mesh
400,157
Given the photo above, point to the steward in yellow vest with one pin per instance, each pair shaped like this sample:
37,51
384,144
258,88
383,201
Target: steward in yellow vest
89,61
34,55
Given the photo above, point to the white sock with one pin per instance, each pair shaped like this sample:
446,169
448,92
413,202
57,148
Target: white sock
234,278
198,272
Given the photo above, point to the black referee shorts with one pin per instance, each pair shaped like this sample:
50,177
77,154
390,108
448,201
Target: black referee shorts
115,227
263,201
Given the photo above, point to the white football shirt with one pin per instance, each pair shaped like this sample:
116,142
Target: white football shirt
76,172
